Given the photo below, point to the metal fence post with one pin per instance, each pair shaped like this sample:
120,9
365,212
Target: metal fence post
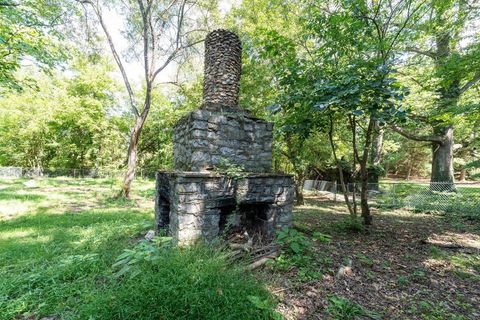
335,187
394,195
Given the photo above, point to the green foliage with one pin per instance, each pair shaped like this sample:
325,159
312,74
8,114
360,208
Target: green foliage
376,170
128,262
321,237
294,241
402,281
344,309
29,29
265,305
155,150
464,202
473,164
364,259
297,255
435,311
231,169
65,123
183,284
349,225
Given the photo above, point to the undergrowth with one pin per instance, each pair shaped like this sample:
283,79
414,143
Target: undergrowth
61,260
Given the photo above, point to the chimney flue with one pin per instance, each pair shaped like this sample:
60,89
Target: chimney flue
223,65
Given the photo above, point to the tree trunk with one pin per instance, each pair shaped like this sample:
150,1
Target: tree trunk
132,156
299,199
442,178
409,170
340,171
377,145
366,215
463,173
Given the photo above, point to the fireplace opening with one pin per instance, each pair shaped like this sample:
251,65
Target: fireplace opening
163,214
254,218
224,223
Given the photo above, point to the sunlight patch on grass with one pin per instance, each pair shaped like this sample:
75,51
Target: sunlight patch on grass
11,209
11,235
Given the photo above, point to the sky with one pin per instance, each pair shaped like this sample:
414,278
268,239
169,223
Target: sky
134,69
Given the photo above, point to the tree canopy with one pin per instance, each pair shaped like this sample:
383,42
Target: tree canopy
394,84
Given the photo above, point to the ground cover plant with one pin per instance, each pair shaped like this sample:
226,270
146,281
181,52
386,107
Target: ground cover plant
409,265
62,245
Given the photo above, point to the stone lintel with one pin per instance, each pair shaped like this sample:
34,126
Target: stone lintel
214,174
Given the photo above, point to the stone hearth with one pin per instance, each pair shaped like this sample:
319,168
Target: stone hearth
196,202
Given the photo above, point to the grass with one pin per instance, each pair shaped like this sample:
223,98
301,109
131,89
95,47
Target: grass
60,237
69,250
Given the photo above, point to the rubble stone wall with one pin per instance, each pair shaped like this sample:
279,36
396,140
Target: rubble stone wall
203,138
195,202
223,65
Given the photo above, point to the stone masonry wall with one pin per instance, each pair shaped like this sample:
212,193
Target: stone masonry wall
203,138
223,65
196,200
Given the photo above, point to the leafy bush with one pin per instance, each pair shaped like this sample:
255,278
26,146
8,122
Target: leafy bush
321,237
297,255
349,225
292,240
129,261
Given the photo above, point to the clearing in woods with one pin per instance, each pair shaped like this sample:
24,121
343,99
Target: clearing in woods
60,237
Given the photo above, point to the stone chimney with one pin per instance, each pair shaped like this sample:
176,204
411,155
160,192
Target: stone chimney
223,66
220,131
200,202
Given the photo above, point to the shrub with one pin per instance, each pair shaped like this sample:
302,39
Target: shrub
349,225
294,241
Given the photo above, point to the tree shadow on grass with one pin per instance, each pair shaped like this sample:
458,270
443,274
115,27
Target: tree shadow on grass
42,221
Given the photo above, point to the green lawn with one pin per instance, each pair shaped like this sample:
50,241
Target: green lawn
60,237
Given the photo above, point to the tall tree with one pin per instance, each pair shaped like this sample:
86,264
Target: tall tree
445,44
166,29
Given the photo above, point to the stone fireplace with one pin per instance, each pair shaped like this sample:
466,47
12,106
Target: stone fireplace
199,201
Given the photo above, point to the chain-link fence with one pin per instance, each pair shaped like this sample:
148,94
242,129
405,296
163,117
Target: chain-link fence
19,172
459,197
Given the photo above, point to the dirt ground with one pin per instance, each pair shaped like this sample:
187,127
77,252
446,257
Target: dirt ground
406,266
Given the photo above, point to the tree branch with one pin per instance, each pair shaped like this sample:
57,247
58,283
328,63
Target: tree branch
353,127
427,53
411,136
145,13
172,56
471,83
115,54
419,83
